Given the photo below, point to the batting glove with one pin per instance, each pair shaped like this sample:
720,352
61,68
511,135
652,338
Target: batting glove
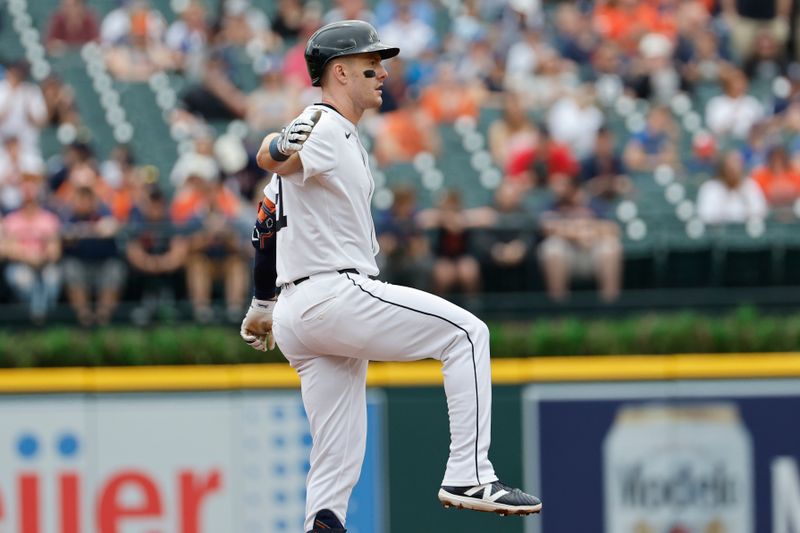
295,134
256,327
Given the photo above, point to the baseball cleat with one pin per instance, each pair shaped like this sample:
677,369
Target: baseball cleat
495,497
326,522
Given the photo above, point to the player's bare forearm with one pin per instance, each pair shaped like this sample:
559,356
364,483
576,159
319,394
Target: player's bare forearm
265,160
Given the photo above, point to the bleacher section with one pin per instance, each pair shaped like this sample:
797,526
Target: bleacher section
665,243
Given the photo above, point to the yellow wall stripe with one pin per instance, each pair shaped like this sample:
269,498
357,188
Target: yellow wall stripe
420,373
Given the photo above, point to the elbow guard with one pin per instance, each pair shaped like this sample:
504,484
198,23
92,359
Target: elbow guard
264,240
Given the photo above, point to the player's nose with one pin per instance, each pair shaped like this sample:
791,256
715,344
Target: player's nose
382,73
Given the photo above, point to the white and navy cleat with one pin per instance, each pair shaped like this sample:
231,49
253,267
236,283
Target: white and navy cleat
495,497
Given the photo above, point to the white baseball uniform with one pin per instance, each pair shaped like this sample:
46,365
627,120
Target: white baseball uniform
330,324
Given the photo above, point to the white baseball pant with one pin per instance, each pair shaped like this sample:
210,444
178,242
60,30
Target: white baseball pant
331,325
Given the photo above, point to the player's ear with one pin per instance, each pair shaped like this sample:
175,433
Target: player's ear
340,72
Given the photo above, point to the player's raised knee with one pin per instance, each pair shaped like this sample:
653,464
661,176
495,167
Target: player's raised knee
478,331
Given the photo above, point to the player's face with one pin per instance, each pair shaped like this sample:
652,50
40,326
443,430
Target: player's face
368,91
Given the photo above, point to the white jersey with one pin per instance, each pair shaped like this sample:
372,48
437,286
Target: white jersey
326,205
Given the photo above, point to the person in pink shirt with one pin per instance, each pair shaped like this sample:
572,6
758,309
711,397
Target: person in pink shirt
31,243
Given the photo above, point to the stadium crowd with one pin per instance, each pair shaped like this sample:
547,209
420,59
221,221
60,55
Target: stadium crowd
91,229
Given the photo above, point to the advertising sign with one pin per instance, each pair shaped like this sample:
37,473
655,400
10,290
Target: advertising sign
677,457
168,463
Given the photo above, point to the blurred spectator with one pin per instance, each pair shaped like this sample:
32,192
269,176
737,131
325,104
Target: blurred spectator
128,191
82,174
241,173
607,73
386,11
578,244
242,24
654,75
522,61
553,77
15,166
23,111
706,64
747,18
538,164
93,270
294,61
396,86
187,38
196,162
405,251
693,23
730,197
505,247
511,132
524,14
479,66
406,132
157,253
455,266
414,33
59,98
575,39
216,97
755,148
287,20
626,21
72,24
349,10
447,99
138,57
31,244
60,166
603,173
118,166
209,213
779,181
703,158
422,71
132,17
274,103
655,145
574,120
767,60
467,26
733,114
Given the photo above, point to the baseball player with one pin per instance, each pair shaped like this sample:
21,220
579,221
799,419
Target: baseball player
315,240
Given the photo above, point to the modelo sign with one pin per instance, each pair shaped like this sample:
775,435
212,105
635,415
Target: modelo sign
668,457
178,463
678,469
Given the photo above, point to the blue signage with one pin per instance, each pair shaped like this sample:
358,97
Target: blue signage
664,457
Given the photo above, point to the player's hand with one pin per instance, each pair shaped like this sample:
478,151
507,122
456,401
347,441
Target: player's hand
296,133
257,325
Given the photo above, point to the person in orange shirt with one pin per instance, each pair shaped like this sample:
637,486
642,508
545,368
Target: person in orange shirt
447,98
209,213
626,21
405,133
778,179
83,174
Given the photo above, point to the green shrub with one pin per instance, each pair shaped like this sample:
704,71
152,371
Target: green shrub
744,330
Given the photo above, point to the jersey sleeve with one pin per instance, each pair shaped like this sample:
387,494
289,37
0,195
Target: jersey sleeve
319,151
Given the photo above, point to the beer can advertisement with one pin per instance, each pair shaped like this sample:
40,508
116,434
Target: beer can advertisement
666,457
231,462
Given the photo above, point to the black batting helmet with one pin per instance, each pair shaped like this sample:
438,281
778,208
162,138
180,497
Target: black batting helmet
343,38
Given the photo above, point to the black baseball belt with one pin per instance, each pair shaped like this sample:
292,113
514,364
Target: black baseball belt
298,281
